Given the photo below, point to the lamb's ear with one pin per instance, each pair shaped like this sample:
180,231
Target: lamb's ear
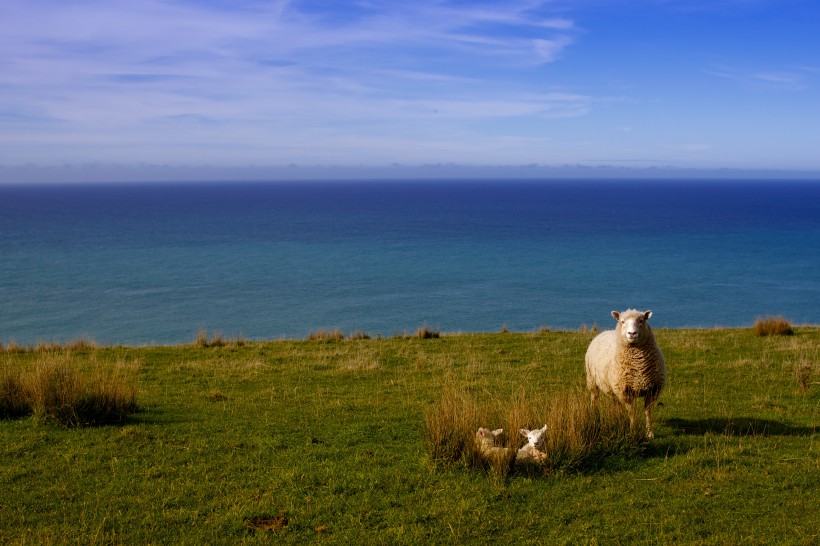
524,432
481,432
544,428
616,315
647,314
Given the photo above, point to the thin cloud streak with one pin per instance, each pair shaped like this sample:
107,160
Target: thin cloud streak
130,70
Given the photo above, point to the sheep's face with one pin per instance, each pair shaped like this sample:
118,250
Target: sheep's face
632,324
535,438
487,437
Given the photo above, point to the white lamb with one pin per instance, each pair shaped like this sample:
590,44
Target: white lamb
485,443
627,363
533,452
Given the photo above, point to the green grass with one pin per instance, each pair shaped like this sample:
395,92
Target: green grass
308,441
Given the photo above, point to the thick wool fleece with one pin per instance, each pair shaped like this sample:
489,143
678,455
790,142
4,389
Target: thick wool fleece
627,370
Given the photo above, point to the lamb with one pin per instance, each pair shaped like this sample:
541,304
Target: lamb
485,443
533,452
627,363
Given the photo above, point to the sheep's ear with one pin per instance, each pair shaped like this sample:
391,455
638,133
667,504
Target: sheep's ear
544,428
498,431
524,432
647,314
616,315
481,432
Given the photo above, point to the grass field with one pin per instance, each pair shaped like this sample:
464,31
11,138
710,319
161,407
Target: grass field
325,441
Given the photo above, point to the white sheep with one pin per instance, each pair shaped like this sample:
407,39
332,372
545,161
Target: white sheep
628,363
485,443
533,451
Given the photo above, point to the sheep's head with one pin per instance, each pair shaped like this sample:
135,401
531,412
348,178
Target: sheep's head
486,437
535,437
632,325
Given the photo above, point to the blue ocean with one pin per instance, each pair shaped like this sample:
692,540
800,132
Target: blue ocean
142,264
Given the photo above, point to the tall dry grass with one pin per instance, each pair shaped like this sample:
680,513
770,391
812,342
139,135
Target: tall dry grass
80,344
773,326
326,335
56,391
13,402
581,434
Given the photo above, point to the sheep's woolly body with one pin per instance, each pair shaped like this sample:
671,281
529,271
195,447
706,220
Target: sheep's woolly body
627,369
530,455
485,443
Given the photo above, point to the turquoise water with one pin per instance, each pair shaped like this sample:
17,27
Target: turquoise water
154,263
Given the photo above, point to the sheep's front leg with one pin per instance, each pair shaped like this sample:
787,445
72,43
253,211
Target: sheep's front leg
630,410
649,405
649,402
649,433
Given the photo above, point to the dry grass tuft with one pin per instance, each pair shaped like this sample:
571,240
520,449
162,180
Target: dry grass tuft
580,435
425,332
203,341
13,347
451,424
773,326
79,344
584,329
326,335
13,401
55,391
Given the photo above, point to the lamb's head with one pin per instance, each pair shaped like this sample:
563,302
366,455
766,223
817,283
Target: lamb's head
535,437
632,325
485,438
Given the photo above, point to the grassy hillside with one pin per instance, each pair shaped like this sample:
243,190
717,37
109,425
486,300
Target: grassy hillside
324,441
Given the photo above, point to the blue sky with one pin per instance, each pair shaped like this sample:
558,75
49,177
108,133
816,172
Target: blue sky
223,83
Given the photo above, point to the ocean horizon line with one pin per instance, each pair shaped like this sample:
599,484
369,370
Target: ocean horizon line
123,173
207,338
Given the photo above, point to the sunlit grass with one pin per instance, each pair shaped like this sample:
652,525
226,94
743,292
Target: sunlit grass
372,441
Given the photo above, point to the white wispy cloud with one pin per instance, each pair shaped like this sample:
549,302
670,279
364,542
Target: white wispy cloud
164,77
549,50
795,78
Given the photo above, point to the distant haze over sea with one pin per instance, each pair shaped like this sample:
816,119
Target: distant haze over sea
108,173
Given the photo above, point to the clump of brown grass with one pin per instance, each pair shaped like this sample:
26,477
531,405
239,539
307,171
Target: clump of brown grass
202,339
580,435
326,335
773,326
81,344
584,329
12,347
450,422
583,434
359,335
56,391
13,401
425,332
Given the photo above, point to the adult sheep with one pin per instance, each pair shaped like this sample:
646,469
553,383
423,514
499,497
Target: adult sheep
627,363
